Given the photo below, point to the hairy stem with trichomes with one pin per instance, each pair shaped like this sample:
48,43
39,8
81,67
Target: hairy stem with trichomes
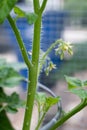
34,64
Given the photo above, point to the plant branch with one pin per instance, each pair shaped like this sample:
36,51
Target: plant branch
46,53
20,41
40,121
36,6
43,6
36,41
69,114
33,72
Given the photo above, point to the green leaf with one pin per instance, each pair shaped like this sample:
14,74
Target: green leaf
2,62
31,17
85,83
80,92
40,98
19,12
45,102
50,101
5,8
13,81
12,102
4,122
73,82
9,77
10,109
15,65
3,96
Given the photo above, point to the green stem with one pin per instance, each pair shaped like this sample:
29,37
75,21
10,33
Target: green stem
47,52
32,67
33,75
20,41
40,121
69,114
33,72
43,6
42,117
36,6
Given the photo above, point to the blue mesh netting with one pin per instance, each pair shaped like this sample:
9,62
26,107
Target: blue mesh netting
52,27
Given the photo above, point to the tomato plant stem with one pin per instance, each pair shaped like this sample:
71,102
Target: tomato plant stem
75,110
